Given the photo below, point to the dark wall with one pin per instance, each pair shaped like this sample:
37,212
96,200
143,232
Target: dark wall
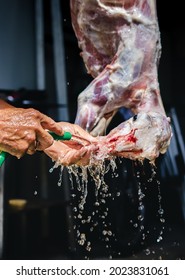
17,45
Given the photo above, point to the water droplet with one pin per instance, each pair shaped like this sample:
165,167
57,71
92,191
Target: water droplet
141,207
147,252
161,211
82,239
162,220
159,238
97,204
140,218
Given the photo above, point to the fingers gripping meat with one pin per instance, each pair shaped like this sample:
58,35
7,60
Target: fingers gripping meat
126,140
120,44
77,151
66,155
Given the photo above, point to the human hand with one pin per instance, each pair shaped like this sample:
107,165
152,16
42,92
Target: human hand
24,130
77,151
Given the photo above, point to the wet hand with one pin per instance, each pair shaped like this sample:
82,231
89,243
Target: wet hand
76,151
24,131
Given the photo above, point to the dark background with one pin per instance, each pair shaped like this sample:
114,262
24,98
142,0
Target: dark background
49,226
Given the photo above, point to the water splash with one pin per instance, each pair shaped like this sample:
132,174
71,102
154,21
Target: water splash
161,213
79,177
97,219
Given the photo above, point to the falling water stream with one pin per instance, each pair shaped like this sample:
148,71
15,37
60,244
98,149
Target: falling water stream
98,218
152,181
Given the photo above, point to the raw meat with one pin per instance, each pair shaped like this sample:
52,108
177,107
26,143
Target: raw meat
120,44
126,140
146,135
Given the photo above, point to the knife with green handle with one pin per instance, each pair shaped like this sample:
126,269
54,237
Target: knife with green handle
66,136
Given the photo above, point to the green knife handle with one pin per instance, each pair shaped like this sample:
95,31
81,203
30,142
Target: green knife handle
2,157
66,136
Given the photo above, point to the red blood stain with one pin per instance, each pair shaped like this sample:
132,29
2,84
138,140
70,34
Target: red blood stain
131,138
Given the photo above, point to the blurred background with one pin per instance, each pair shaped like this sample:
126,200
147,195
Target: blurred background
139,212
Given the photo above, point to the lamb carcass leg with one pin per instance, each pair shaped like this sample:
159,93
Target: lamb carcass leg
126,140
120,44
